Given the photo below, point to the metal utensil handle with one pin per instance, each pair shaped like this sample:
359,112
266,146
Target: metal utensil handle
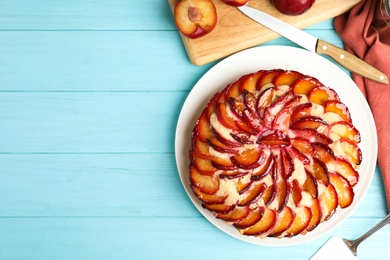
356,242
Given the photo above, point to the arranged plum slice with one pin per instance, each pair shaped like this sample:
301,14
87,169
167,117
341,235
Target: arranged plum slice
303,146
295,153
309,122
205,183
296,192
312,136
316,215
252,195
301,221
319,171
287,164
223,163
227,140
287,78
244,138
321,95
284,221
201,148
250,101
235,215
233,90
233,174
344,190
263,225
203,127
243,185
282,189
248,159
267,77
282,120
351,152
204,166
269,195
219,208
254,121
273,139
323,153
304,85
250,83
224,118
254,216
272,111
328,202
338,108
208,198
310,185
265,167
301,110
343,130
218,146
346,170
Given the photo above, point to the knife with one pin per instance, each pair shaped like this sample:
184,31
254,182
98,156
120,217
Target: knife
315,45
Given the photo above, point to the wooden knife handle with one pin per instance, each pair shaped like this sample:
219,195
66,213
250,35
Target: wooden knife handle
351,62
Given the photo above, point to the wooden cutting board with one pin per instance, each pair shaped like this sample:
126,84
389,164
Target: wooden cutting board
235,31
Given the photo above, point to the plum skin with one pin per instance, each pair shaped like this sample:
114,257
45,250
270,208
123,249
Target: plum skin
293,7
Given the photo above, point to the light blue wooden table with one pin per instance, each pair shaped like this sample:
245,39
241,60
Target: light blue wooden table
90,93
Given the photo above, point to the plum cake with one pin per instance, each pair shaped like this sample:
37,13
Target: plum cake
274,154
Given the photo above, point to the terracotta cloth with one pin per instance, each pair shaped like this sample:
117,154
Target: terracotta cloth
367,36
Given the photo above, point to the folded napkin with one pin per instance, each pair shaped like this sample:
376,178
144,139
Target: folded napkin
366,35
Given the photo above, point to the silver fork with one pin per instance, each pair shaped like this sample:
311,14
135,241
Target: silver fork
353,244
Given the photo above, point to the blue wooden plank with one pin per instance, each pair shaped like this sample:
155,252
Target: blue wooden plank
90,15
82,15
157,238
103,61
88,122
92,185
95,61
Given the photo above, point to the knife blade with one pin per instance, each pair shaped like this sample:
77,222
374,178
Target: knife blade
313,44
